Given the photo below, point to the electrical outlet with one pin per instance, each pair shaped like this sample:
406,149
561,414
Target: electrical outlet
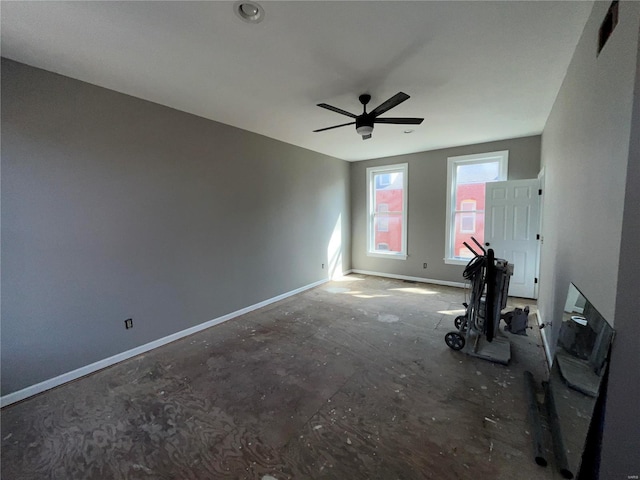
323,266
424,265
128,323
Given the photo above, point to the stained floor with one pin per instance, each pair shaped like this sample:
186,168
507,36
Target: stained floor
349,380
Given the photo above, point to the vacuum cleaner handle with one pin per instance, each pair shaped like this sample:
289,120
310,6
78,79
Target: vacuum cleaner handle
480,246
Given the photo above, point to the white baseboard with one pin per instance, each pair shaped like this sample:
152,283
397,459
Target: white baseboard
107,362
413,279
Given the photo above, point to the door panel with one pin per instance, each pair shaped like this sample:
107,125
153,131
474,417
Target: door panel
521,223
512,218
496,220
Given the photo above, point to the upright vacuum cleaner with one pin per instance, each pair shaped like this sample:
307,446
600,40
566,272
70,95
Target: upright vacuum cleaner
477,331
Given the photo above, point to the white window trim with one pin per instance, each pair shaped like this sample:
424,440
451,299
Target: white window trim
371,171
452,162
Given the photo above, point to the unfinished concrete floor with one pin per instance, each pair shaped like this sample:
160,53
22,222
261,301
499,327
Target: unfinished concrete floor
349,380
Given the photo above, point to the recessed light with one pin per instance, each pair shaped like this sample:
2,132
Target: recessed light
408,130
248,11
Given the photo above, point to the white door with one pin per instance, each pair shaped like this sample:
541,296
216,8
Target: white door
512,213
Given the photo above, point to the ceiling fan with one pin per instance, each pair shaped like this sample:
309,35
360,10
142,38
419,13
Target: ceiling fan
364,123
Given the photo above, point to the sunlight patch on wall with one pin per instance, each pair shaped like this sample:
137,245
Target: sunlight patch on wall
334,250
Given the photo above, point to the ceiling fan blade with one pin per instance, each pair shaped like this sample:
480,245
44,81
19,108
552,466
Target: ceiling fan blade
400,121
366,137
397,99
337,110
335,126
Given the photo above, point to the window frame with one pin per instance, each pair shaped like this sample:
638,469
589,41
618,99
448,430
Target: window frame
502,157
371,215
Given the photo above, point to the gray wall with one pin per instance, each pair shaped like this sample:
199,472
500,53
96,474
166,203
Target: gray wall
622,434
622,422
114,207
427,206
590,227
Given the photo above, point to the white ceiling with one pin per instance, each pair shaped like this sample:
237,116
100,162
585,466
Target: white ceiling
476,71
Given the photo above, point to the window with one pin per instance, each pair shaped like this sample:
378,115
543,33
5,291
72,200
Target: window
383,180
387,211
466,179
383,220
468,216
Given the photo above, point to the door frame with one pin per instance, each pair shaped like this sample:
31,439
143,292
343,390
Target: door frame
540,225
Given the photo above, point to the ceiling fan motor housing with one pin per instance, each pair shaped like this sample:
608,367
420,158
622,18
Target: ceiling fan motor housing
364,120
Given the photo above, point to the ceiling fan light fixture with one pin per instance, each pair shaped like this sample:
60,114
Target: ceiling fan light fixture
249,11
364,129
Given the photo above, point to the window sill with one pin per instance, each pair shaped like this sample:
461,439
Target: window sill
395,256
457,261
